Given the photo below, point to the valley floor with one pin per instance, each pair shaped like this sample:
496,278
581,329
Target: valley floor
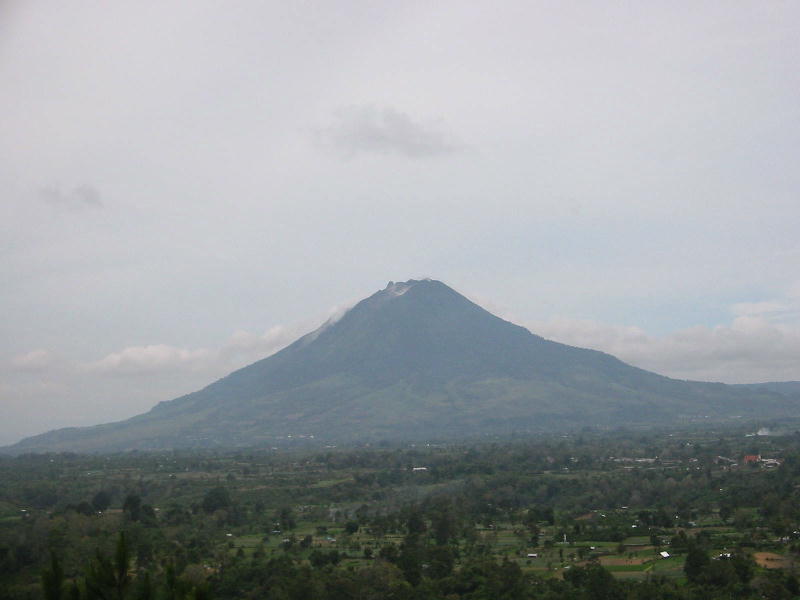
677,514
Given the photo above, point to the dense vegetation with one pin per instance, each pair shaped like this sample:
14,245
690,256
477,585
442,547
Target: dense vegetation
579,516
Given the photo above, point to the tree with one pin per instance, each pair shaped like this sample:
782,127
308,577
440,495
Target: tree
410,559
109,579
744,566
148,513
725,512
84,508
697,561
531,522
101,500
440,561
53,579
351,527
285,517
381,580
720,573
661,519
415,524
742,519
145,590
389,552
655,541
133,506
597,581
215,499
444,525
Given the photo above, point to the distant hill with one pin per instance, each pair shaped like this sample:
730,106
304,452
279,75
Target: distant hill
417,360
785,388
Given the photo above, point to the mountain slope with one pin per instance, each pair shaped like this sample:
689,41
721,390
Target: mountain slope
417,360
785,388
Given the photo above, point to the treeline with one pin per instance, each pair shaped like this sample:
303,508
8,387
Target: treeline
420,570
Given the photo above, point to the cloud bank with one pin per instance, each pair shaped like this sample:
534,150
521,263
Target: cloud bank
242,348
761,343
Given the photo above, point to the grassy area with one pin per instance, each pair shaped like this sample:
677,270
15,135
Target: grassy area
639,540
14,519
549,561
326,483
621,568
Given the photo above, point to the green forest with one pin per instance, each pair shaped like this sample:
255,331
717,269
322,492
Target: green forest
678,514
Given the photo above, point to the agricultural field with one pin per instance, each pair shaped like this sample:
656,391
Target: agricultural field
676,514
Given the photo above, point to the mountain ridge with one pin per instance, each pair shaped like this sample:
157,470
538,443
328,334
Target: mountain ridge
417,360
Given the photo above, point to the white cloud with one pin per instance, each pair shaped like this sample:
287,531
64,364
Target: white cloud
36,360
248,346
371,130
147,359
80,197
240,349
749,349
784,310
757,308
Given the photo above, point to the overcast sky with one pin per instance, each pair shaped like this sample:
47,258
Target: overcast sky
187,186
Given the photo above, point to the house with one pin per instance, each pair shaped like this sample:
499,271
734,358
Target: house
752,459
664,554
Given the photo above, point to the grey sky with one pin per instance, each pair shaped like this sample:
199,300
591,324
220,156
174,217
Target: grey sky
186,186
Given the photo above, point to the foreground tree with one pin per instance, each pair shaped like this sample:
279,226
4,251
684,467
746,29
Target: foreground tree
109,579
53,579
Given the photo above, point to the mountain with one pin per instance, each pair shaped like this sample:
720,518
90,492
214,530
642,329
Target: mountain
417,360
785,388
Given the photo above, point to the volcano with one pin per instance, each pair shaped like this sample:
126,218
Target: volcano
417,361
